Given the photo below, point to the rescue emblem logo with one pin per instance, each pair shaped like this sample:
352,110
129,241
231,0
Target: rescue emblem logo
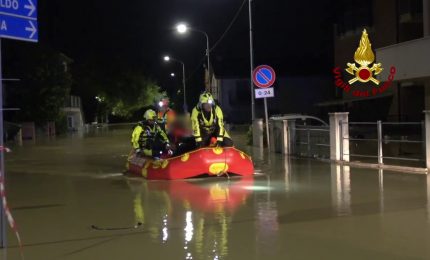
364,72
364,57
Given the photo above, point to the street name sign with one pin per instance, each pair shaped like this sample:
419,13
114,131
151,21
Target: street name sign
18,20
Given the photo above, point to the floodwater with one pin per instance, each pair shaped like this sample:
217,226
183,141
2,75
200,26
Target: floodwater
70,201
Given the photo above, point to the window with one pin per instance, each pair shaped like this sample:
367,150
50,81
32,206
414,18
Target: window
410,19
353,15
410,11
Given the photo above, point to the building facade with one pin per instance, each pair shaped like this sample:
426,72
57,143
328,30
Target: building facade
73,110
399,32
234,96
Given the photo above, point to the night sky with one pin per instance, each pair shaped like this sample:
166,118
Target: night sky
141,31
295,37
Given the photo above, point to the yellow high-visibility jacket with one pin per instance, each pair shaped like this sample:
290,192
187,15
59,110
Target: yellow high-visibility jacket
143,137
202,125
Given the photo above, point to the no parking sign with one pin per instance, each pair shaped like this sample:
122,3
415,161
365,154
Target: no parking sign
263,77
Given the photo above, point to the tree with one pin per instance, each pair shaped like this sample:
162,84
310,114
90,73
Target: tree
128,93
44,85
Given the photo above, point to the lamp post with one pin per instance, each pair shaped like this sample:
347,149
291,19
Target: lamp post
167,59
251,50
100,109
182,28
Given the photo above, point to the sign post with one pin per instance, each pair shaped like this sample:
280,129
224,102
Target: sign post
263,77
18,21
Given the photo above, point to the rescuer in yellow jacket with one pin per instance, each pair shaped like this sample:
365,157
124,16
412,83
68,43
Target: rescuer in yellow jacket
148,138
207,122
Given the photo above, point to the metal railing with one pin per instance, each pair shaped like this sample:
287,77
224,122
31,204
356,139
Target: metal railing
405,138
314,139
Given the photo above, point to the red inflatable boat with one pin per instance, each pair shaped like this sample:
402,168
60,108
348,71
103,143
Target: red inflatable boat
211,161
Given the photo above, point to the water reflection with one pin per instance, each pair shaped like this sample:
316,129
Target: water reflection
257,154
287,172
381,190
377,193
165,229
267,225
341,189
202,209
189,229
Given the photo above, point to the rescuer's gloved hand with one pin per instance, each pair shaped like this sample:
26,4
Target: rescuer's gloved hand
199,144
138,151
170,152
219,143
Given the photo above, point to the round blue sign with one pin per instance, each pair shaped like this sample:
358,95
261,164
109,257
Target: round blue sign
263,76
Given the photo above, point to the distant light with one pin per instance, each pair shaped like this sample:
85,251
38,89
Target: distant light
160,104
166,58
172,74
182,28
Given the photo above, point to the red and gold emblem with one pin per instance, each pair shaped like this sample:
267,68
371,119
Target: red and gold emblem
364,57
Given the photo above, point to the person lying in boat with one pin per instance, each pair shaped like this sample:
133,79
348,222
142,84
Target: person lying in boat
181,135
148,139
207,122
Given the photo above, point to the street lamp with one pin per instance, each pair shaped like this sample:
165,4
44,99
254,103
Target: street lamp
182,28
167,59
102,108
172,74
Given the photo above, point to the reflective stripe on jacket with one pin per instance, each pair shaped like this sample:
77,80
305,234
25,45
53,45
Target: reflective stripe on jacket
143,137
202,125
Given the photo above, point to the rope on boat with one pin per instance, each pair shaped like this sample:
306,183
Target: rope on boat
224,171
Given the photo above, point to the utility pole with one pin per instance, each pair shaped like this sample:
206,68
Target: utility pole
251,49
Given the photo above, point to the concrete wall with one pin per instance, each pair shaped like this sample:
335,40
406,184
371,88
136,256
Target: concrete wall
411,59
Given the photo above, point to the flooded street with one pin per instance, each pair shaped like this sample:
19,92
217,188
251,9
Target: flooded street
70,201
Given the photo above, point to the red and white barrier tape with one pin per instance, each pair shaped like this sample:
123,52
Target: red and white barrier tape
5,149
6,209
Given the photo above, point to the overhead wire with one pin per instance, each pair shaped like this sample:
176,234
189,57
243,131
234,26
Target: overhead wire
232,22
229,26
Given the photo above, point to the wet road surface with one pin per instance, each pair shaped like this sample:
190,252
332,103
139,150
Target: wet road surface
70,201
